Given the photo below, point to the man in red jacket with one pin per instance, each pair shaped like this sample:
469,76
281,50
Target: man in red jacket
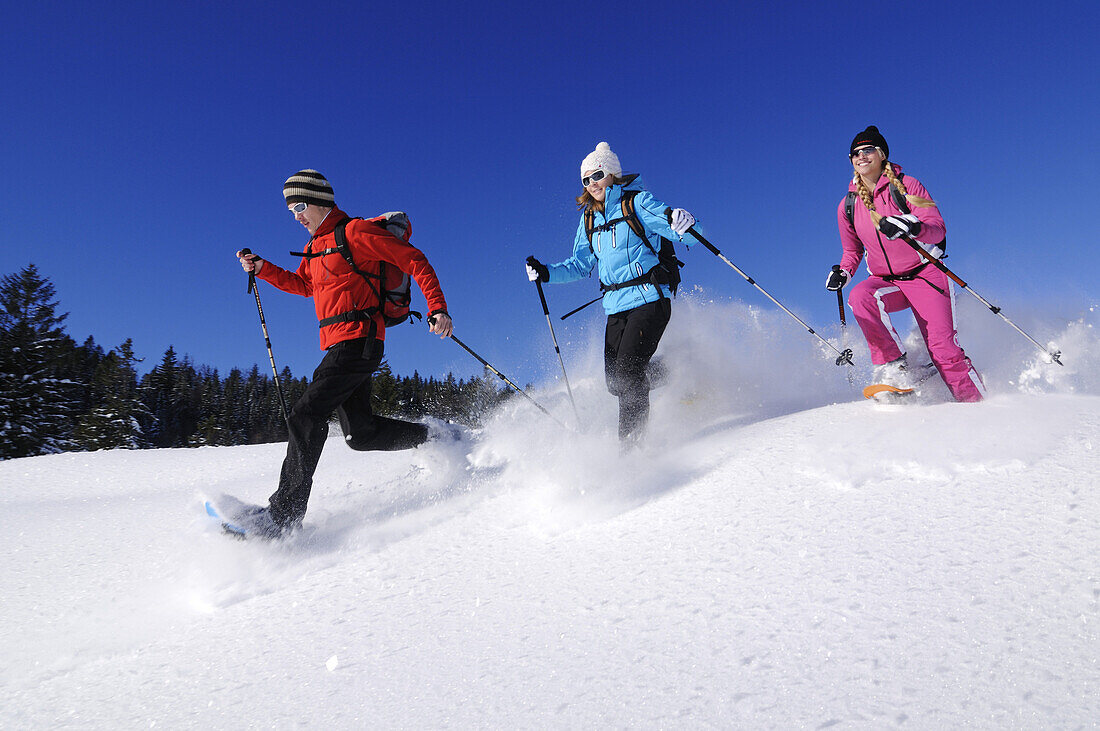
352,335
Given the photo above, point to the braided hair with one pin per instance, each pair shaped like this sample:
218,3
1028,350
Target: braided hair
865,194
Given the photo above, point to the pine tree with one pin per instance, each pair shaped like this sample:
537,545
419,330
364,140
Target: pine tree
158,390
37,400
114,421
235,403
480,396
186,395
212,427
80,366
384,397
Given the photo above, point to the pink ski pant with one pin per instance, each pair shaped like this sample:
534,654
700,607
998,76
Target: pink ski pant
932,299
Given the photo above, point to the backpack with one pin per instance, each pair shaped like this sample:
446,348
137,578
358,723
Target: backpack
393,285
667,270
902,204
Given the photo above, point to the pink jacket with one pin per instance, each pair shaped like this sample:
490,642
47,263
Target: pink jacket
883,255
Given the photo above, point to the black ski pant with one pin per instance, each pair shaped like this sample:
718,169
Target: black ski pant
342,382
630,341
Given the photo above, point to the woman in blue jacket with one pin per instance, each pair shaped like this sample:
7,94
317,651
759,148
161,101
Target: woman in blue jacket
632,277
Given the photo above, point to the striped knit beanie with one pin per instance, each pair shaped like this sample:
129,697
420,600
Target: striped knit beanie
309,186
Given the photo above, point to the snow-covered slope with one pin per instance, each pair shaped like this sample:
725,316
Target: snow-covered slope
780,555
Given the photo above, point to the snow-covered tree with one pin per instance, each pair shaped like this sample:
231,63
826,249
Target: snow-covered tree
114,420
37,400
158,390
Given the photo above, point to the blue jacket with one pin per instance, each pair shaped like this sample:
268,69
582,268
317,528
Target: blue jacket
620,253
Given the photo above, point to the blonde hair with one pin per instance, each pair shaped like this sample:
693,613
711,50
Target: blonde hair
586,201
868,201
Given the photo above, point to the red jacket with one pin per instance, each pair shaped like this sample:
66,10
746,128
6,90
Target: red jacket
336,289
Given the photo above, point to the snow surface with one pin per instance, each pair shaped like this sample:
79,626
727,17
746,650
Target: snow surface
781,554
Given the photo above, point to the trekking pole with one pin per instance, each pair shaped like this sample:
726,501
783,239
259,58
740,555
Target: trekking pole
844,357
253,289
1055,356
844,329
504,378
586,304
546,311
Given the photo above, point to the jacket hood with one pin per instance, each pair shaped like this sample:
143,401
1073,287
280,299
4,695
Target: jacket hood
615,192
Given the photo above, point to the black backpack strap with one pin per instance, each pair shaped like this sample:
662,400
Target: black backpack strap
667,270
345,251
342,247
653,276
365,315
314,254
850,207
938,251
850,202
899,197
353,316
590,226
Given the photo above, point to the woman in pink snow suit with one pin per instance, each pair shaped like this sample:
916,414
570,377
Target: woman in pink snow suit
881,207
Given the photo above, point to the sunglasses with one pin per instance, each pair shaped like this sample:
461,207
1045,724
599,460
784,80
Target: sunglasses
298,207
594,177
864,152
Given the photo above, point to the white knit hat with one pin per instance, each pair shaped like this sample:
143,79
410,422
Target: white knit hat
602,158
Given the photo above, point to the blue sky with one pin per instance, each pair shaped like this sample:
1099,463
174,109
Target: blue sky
145,144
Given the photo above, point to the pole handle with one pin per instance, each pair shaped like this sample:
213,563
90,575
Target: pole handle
542,298
702,240
251,275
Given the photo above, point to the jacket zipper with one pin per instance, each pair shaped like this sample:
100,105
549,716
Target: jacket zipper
881,245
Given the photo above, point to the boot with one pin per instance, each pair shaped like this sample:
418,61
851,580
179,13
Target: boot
895,373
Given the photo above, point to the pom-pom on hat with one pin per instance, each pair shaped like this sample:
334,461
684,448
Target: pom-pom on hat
602,158
870,136
308,186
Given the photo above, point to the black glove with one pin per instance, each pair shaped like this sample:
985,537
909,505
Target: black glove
837,278
894,227
539,270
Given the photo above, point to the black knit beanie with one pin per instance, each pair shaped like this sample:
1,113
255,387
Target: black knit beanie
870,136
308,186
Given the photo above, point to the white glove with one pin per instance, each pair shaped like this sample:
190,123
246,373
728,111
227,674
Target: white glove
681,221
532,274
